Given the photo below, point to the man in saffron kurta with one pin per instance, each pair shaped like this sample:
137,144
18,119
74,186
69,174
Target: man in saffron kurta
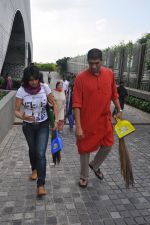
94,90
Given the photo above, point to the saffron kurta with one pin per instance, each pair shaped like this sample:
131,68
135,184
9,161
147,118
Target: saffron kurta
93,95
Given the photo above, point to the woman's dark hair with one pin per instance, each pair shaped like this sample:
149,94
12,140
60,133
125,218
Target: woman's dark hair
30,71
41,78
94,53
59,82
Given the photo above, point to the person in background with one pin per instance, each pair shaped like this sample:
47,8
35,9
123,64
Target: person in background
94,89
65,85
34,96
49,78
123,94
8,84
60,98
5,81
69,110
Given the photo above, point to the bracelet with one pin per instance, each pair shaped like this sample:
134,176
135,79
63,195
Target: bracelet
120,110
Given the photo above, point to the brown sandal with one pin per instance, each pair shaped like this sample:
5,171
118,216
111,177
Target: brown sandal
83,183
98,173
41,191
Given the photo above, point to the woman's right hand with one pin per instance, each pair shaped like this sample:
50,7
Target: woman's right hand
28,118
55,125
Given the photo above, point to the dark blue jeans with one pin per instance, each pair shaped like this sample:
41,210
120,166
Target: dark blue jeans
71,120
37,138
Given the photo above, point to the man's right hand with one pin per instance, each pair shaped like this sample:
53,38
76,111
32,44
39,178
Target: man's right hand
79,133
28,118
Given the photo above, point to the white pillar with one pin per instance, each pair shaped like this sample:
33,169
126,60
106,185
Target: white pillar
26,54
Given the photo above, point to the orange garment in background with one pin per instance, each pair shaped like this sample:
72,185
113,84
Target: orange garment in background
93,95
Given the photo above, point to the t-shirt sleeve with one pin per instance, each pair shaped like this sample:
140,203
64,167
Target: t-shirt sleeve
77,94
114,95
47,89
19,93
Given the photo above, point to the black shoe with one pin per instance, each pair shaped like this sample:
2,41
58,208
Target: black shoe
98,173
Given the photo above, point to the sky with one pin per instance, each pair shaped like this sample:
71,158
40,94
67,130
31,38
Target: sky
67,28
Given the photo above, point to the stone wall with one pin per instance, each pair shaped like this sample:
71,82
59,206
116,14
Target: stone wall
6,113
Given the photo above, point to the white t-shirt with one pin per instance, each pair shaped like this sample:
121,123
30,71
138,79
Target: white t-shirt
35,105
65,85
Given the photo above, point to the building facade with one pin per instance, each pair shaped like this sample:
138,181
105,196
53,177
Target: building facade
16,48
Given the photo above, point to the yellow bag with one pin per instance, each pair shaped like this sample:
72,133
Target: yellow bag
123,128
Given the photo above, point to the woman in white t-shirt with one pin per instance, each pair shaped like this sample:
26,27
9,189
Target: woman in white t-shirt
34,95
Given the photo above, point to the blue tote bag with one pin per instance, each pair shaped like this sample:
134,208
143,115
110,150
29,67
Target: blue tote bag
56,144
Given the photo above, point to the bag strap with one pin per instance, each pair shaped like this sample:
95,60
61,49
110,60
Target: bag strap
57,135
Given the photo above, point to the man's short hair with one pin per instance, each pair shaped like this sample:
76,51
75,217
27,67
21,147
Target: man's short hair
94,53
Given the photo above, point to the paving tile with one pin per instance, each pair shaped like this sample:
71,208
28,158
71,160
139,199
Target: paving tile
115,215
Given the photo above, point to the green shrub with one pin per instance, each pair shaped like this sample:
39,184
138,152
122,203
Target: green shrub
139,103
16,83
1,82
46,66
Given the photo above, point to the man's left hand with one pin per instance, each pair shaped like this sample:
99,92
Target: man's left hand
119,115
